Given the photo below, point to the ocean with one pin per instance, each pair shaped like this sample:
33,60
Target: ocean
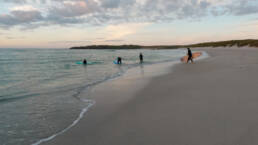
43,92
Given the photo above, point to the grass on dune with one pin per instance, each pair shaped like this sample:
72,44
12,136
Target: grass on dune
230,43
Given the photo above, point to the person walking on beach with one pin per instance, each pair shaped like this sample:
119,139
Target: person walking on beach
141,58
119,60
190,55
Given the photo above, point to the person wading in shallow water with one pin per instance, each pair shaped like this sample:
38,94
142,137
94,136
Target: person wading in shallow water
119,60
141,58
190,55
85,62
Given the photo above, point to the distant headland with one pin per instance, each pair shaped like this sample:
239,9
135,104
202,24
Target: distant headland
230,43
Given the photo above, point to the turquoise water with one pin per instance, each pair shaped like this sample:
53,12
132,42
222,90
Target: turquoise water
41,89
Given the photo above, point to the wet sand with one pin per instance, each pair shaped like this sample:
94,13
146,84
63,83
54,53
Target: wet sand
211,102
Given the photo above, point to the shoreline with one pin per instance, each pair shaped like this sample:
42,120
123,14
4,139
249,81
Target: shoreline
143,72
146,72
210,102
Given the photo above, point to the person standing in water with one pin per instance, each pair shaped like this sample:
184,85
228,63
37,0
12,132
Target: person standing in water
141,58
85,62
119,60
190,55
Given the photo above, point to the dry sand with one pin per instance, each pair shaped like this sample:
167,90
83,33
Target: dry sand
211,102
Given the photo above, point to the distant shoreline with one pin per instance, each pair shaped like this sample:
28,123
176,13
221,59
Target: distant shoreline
230,43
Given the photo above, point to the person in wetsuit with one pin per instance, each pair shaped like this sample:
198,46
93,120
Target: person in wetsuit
119,60
190,55
84,62
141,58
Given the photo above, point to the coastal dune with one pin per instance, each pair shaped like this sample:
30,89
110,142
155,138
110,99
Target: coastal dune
211,102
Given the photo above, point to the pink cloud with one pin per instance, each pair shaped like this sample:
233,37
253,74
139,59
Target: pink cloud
74,8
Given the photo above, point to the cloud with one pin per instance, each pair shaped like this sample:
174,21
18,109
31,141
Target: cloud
115,40
23,8
119,31
68,42
26,1
111,4
101,12
243,7
19,17
10,37
15,1
74,8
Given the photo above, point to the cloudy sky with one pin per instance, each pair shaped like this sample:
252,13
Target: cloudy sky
65,23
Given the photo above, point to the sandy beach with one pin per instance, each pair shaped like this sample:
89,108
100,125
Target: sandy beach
211,102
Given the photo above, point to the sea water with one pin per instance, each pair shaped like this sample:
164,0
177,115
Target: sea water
41,89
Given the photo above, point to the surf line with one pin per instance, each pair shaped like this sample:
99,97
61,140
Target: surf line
84,110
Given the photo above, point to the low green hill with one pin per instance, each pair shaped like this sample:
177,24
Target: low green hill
239,43
108,47
230,43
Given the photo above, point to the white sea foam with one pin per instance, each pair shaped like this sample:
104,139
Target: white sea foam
84,110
